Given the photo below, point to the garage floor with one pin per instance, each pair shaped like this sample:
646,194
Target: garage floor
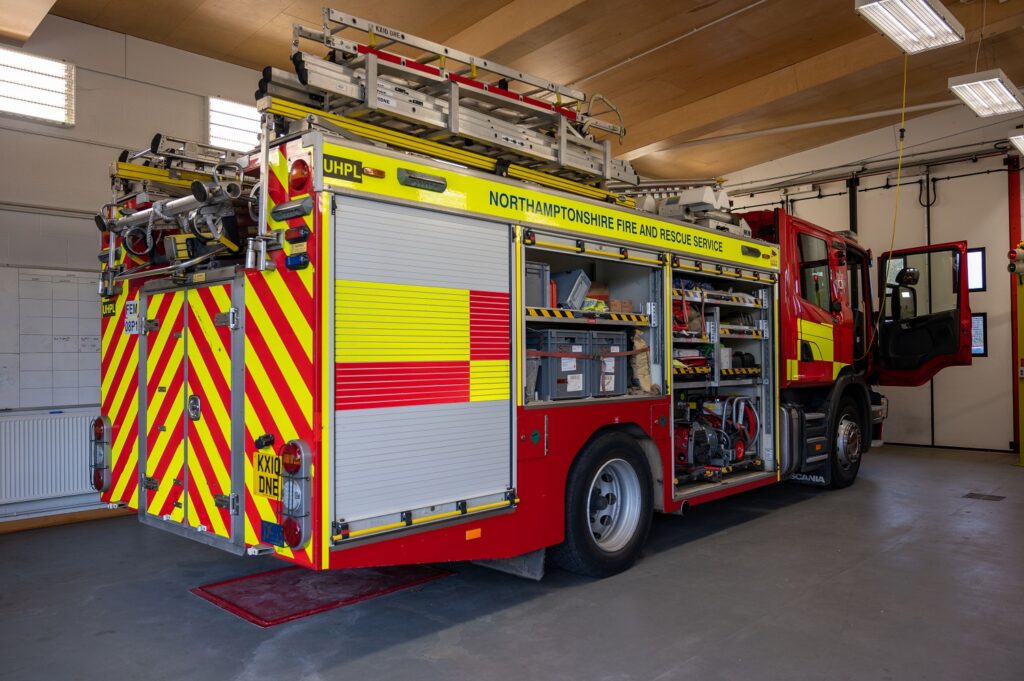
900,577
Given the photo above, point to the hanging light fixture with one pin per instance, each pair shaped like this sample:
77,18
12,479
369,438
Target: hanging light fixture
914,25
1017,139
987,93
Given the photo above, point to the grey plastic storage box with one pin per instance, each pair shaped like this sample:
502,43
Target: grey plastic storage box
571,288
607,374
538,284
562,378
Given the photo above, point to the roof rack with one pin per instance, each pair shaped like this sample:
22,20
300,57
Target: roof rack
449,97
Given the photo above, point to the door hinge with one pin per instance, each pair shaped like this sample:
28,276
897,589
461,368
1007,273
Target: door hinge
151,325
228,501
150,483
228,318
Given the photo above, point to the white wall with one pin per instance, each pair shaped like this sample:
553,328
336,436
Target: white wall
53,179
972,405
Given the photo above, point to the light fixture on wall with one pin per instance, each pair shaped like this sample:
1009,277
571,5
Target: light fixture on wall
914,25
988,93
1017,138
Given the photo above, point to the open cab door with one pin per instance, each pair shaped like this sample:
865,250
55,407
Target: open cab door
926,313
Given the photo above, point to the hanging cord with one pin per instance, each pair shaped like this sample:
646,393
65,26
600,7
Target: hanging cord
981,34
896,210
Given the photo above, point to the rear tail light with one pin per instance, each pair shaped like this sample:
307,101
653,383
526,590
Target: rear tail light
99,455
299,176
99,429
291,458
293,535
296,493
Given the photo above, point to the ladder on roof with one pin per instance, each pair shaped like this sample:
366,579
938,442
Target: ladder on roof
446,96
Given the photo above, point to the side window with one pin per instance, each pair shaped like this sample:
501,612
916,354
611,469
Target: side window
814,275
929,284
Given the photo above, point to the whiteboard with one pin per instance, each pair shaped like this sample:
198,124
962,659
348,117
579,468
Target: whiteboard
49,338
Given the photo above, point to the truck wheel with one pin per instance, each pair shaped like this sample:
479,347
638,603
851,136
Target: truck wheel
847,444
608,508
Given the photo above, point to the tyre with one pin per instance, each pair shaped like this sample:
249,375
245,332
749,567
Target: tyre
847,444
608,508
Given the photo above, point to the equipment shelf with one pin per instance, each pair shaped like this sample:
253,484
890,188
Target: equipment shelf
555,316
691,371
739,332
716,298
699,340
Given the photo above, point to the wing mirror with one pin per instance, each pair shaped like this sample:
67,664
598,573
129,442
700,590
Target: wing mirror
908,276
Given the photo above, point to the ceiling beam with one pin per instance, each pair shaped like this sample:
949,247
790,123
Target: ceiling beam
690,121
20,18
502,27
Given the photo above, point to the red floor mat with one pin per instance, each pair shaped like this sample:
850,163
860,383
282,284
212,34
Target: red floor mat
277,596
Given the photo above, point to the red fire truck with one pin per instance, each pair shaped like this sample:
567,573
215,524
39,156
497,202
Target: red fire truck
412,327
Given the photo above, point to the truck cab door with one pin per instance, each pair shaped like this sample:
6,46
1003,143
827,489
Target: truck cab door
926,313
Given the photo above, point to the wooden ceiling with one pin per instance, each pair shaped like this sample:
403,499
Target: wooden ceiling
679,70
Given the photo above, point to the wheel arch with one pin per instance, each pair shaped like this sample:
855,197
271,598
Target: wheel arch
857,390
647,445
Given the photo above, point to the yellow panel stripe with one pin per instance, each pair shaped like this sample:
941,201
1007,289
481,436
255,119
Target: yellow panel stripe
488,380
394,322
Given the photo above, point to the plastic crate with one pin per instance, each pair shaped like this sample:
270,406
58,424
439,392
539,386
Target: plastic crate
571,288
538,284
607,374
562,378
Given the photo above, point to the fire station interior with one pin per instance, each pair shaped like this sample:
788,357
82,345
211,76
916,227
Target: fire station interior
433,340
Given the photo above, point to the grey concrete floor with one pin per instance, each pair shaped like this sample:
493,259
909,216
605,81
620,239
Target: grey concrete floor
897,578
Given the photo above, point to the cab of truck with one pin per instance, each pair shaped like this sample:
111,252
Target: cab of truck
830,319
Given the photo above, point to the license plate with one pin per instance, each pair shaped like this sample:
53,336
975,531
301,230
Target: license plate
266,475
271,533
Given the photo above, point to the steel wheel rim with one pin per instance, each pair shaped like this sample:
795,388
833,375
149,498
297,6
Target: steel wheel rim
613,505
848,442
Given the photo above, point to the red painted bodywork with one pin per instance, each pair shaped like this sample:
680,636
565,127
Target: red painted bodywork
782,228
542,467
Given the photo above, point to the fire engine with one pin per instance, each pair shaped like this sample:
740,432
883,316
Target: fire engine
415,325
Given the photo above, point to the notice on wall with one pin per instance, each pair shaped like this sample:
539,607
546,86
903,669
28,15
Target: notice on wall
50,350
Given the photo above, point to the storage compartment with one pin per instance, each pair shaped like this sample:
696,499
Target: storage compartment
608,368
565,359
723,398
609,306
537,284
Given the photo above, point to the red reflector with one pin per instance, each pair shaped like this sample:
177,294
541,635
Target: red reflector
292,532
98,429
296,234
291,458
298,176
97,479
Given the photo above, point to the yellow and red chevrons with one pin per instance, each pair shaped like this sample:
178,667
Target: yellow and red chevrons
462,345
209,438
165,446
119,399
281,380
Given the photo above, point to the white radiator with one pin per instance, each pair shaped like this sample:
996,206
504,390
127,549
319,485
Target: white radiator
44,456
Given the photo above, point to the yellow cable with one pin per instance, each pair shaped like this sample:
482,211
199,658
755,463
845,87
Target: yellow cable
896,210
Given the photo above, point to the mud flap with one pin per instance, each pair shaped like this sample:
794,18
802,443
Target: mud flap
528,565
820,476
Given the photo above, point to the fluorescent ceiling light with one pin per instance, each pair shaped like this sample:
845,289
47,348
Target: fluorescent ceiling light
1017,139
987,93
914,25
